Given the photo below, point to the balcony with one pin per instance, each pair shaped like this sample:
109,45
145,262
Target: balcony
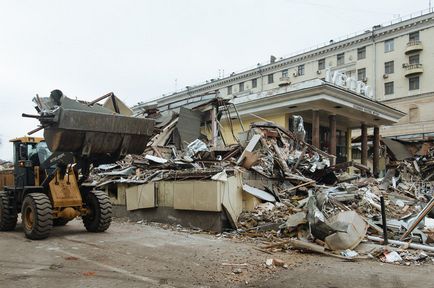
283,81
412,69
413,46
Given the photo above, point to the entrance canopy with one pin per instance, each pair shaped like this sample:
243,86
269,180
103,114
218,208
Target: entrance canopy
350,108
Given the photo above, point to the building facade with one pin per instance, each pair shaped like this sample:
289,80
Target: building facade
395,61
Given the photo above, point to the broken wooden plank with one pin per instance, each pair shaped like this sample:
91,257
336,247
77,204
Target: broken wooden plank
298,186
156,151
281,160
298,244
262,250
274,245
419,218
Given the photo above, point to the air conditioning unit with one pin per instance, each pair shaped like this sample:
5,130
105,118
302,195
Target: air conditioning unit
385,76
318,72
365,79
283,81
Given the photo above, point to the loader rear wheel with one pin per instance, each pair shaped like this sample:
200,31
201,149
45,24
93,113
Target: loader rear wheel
100,212
37,216
60,221
8,212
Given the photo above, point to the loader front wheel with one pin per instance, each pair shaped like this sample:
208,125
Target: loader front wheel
99,216
8,212
37,216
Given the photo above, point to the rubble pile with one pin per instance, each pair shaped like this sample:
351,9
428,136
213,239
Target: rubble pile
301,198
344,217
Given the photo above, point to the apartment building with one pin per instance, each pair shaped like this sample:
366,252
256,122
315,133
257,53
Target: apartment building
396,62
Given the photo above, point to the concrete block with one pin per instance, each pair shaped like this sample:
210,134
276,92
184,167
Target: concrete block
140,196
197,195
207,195
165,193
232,198
183,195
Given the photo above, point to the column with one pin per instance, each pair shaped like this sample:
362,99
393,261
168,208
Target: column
315,128
349,148
332,134
376,162
364,144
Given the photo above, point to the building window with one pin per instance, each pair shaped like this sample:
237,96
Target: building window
413,36
361,74
388,88
254,83
389,67
388,45
361,53
340,59
300,70
413,59
413,83
270,78
241,87
321,64
285,73
229,90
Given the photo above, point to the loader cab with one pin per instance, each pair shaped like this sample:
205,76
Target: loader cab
29,152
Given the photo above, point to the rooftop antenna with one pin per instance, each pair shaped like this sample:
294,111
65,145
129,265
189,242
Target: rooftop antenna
176,84
430,7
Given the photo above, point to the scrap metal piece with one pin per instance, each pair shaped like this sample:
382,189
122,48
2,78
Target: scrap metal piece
194,147
349,237
397,150
261,194
156,159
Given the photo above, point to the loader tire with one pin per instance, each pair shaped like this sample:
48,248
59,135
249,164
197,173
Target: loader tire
100,212
60,221
8,212
37,216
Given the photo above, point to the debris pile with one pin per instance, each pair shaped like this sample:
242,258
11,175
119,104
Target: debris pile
342,218
295,195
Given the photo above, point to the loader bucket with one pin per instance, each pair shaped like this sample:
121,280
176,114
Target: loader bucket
89,133
94,131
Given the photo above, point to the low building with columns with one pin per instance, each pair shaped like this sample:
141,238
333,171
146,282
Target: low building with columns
330,114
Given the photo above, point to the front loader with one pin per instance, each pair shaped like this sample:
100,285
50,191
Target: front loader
50,173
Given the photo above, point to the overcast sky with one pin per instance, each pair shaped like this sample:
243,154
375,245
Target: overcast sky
142,49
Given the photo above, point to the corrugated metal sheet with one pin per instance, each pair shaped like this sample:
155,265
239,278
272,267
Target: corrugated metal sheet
398,149
188,126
